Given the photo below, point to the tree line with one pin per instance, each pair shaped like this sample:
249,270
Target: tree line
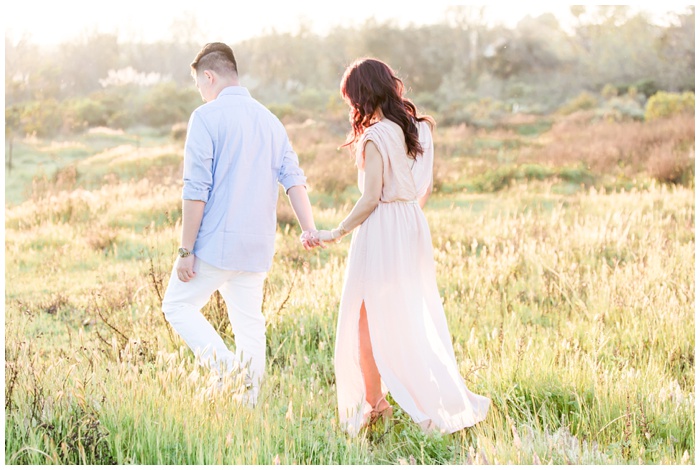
535,67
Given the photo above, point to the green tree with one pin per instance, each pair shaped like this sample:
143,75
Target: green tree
528,50
42,118
166,104
676,49
84,62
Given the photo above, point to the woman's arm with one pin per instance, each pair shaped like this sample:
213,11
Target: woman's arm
369,200
424,198
428,156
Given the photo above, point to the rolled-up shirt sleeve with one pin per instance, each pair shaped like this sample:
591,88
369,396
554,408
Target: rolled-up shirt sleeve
199,157
290,174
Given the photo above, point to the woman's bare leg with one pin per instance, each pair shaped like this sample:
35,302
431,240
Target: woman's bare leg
373,384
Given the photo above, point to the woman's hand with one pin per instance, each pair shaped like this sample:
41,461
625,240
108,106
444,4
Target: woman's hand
329,235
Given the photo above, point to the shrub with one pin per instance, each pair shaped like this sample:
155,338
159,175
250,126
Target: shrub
623,108
646,87
281,110
583,101
664,104
609,91
42,118
83,113
178,131
117,107
485,112
622,148
164,104
670,164
312,99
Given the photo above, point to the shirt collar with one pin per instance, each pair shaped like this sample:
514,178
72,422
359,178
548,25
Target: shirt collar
234,90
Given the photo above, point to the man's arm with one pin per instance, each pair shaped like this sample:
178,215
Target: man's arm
301,205
192,213
294,182
198,180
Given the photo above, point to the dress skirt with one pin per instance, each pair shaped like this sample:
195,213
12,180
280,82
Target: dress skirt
391,268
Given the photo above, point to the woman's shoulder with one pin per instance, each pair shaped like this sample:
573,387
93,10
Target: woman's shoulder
375,133
424,126
372,132
374,128
425,131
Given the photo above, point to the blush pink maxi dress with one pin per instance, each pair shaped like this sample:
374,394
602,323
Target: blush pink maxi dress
391,267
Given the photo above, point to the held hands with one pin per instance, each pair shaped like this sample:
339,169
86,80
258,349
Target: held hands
313,238
309,240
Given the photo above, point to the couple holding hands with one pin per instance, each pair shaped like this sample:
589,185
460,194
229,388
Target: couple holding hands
392,334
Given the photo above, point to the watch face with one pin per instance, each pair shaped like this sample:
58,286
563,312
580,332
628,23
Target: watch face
183,252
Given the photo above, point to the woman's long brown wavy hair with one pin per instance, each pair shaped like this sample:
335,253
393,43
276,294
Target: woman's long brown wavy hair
369,84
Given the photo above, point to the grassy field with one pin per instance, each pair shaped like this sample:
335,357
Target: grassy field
568,285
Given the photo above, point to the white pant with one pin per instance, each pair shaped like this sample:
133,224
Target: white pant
243,293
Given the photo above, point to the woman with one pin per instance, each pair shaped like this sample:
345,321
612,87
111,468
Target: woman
392,333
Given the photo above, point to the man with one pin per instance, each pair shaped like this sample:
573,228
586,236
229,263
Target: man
236,154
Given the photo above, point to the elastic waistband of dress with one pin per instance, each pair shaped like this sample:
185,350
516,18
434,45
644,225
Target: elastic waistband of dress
399,200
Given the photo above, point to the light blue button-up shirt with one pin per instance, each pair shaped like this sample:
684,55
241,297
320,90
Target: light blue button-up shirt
236,154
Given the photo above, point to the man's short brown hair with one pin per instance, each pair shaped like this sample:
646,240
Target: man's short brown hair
215,56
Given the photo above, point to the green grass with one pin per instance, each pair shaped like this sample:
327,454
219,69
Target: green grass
573,310
42,160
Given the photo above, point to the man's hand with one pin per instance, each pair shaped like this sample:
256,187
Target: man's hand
185,268
310,240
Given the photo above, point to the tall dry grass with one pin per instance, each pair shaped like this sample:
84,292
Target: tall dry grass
573,312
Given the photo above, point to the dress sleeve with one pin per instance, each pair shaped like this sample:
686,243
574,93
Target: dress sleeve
369,134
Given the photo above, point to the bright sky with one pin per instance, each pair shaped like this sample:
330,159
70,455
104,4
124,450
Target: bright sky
48,22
